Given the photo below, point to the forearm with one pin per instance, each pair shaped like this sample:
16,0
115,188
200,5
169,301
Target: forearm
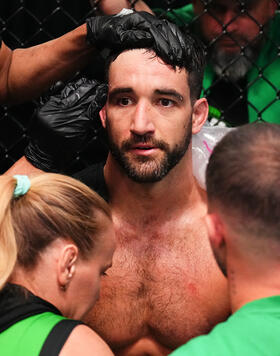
32,70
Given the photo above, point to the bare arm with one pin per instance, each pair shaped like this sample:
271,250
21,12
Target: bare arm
84,341
110,7
25,73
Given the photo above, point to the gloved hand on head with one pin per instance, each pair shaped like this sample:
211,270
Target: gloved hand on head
137,30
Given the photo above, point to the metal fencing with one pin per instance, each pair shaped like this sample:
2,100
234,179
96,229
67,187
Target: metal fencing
235,98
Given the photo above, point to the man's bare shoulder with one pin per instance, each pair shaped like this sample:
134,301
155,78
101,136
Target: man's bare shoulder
84,341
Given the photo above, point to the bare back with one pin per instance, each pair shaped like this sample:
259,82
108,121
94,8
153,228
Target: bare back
163,289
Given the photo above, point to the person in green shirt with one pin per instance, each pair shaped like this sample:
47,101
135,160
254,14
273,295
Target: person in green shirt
243,224
56,242
243,71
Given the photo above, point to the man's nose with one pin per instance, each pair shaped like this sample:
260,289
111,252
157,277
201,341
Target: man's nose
230,21
142,121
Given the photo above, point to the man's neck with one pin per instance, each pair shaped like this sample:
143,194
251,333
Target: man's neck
177,190
247,284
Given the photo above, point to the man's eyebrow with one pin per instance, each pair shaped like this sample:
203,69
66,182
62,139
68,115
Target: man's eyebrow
120,91
170,92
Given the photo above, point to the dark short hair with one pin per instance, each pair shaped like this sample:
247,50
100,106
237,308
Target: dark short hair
243,179
192,58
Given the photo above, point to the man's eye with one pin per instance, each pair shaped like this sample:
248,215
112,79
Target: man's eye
124,101
166,102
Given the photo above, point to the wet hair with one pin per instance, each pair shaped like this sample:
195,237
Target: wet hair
185,51
243,180
54,207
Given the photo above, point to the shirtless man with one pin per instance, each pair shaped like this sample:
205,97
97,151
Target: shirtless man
164,287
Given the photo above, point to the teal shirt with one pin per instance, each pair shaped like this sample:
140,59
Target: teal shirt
254,330
264,76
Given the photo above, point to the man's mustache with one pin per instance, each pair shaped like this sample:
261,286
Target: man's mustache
145,139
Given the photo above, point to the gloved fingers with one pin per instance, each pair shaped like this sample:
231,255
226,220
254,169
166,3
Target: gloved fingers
77,93
169,42
55,89
137,21
79,113
98,102
135,28
136,38
108,31
161,43
78,97
101,95
96,25
94,108
72,86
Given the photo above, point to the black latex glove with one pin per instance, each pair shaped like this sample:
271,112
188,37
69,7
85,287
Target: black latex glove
138,30
65,124
120,31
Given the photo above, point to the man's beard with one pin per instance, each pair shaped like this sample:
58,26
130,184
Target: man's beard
145,169
235,65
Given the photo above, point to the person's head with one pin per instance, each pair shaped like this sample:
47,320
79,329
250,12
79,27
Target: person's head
243,187
153,106
59,228
233,30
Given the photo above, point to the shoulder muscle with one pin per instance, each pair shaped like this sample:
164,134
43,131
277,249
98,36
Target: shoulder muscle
84,341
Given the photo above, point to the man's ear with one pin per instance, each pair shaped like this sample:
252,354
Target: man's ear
199,115
67,264
215,229
103,116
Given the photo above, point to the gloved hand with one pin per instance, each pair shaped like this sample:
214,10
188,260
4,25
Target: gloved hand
65,124
139,30
168,41
120,31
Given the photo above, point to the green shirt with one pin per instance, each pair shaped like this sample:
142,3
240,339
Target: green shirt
254,330
26,337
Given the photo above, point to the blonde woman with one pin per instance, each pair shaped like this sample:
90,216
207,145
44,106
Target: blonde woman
56,241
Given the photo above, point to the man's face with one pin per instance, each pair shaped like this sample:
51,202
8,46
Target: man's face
241,25
148,115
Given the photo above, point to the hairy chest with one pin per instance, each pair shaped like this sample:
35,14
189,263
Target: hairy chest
164,283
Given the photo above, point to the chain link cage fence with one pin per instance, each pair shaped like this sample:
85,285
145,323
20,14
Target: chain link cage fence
234,98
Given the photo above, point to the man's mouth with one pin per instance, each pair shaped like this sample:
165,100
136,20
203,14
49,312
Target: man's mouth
142,149
235,42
